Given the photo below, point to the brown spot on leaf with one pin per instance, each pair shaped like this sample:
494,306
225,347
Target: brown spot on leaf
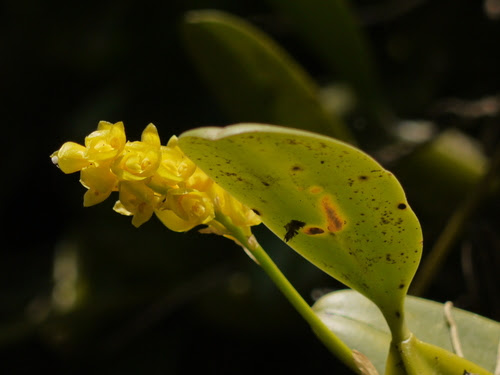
256,211
335,222
296,168
401,206
313,230
363,178
292,229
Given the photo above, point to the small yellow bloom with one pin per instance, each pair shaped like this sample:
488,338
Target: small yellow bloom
185,209
174,168
151,178
136,199
239,214
100,181
70,157
106,143
139,160
199,180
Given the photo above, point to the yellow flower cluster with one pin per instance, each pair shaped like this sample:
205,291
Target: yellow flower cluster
150,178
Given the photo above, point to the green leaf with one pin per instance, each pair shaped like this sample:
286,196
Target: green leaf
252,77
361,326
332,203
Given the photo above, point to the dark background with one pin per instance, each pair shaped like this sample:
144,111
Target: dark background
153,301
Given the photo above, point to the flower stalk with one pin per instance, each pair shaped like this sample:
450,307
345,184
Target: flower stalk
327,337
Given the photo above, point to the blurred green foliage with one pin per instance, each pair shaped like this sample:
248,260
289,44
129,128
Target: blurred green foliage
148,300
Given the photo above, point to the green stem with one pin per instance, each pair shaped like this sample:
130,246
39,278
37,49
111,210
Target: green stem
327,337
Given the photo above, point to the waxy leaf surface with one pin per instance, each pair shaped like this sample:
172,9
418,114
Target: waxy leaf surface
330,202
360,325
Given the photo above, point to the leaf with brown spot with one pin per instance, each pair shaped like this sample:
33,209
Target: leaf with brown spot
314,179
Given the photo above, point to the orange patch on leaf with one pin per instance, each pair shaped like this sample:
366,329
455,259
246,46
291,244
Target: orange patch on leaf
335,222
315,189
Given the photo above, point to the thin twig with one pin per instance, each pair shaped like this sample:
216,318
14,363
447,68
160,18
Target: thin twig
455,340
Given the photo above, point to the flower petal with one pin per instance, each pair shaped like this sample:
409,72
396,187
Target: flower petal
70,157
136,199
174,222
138,161
150,136
106,143
100,182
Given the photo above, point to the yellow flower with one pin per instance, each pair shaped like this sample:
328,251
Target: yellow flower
99,181
151,178
240,215
70,157
136,199
106,143
199,180
174,168
185,209
139,160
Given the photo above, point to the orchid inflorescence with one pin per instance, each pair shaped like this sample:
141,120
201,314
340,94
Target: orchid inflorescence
151,178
